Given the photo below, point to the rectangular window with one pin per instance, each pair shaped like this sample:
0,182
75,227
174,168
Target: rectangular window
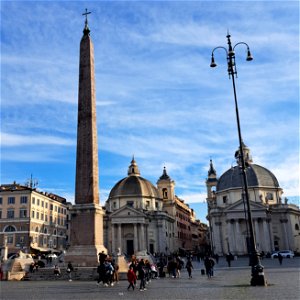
23,213
130,203
0,200
33,200
224,199
10,213
11,200
32,214
38,202
23,199
46,218
0,214
42,203
46,205
51,206
51,219
55,208
37,215
10,239
156,205
115,204
42,216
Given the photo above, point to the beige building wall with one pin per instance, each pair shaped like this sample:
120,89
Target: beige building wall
32,221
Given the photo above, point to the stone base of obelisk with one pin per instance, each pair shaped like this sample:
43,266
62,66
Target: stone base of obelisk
84,255
122,263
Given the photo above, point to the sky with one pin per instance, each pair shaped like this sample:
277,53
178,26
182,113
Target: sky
157,97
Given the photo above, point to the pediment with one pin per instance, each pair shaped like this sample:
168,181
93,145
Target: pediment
127,211
239,206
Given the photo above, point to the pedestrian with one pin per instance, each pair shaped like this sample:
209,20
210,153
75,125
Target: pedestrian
280,258
56,271
70,270
189,267
228,259
31,267
116,272
141,270
131,277
179,264
207,264
109,273
102,257
212,264
101,274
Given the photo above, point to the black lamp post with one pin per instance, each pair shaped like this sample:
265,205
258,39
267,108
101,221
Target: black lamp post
257,269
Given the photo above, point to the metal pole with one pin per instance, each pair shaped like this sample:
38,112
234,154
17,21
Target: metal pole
253,253
257,269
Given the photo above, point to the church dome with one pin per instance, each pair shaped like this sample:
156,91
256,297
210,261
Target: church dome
257,176
134,185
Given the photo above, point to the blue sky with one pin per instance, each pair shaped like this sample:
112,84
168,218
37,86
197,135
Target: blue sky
157,97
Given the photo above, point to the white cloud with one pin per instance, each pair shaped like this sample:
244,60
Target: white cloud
9,140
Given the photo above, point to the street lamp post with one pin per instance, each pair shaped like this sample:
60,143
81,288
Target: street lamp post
257,269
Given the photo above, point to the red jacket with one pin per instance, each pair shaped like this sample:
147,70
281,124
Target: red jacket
131,276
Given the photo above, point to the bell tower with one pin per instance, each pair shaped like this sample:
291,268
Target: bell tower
86,222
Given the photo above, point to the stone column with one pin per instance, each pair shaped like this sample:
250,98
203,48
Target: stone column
257,237
142,239
267,246
285,234
120,237
229,235
113,238
238,240
135,242
270,234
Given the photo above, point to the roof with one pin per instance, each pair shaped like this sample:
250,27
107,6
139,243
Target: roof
134,186
257,176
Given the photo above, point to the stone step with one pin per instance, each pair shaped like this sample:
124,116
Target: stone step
79,273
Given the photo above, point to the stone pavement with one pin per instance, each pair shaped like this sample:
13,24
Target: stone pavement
228,283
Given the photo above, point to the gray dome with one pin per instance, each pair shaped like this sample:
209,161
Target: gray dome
136,186
257,176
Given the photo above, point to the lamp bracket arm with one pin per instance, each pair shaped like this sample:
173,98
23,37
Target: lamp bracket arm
241,43
219,47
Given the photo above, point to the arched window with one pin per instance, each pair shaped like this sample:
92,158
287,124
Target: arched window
165,193
36,229
10,228
45,230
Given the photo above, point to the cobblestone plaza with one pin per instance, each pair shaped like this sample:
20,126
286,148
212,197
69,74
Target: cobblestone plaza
228,283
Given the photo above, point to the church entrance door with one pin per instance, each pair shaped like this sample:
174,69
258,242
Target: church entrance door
130,249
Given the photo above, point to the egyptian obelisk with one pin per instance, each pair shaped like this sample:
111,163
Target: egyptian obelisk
86,220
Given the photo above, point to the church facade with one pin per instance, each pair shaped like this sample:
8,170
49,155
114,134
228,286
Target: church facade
143,218
275,221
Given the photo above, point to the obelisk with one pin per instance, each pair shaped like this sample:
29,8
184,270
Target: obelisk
86,220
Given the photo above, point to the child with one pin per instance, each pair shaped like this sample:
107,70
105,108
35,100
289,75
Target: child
131,278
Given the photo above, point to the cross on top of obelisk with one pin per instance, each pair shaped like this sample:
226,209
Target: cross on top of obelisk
86,29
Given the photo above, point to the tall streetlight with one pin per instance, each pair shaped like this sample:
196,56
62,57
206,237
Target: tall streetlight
257,269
